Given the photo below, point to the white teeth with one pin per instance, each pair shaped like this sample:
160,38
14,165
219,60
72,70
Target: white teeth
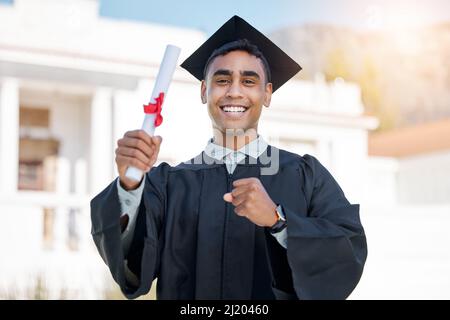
233,109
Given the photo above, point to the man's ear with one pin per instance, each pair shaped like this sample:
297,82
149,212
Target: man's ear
203,91
268,94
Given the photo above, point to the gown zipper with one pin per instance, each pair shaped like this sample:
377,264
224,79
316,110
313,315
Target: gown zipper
228,207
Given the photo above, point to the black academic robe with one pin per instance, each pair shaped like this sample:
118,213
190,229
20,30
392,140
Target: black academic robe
191,240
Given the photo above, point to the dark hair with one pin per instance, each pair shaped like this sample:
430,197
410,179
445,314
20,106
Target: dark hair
241,44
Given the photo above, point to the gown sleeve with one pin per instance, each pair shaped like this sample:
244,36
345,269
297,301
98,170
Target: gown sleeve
142,260
326,249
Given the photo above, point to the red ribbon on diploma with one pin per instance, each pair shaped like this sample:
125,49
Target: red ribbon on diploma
156,108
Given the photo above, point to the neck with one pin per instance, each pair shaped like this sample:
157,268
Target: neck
234,139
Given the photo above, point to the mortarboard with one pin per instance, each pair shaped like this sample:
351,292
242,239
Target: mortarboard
282,67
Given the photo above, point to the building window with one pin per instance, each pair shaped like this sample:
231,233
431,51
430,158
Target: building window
37,164
37,151
31,175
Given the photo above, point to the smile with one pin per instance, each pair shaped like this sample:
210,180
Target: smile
233,109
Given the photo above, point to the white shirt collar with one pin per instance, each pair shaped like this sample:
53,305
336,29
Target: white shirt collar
253,149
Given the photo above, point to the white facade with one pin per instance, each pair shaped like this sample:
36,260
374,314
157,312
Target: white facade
93,75
406,215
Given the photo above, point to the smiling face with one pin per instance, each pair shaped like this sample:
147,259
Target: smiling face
235,89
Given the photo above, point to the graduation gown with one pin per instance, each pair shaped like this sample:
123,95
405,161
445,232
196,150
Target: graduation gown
191,240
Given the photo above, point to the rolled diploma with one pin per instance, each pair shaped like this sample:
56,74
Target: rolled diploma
162,83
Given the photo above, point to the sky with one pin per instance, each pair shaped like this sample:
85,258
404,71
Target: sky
208,15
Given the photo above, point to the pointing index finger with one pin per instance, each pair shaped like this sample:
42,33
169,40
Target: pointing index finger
239,190
243,182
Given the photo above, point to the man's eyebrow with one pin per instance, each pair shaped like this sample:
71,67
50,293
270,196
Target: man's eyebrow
222,72
245,73
248,73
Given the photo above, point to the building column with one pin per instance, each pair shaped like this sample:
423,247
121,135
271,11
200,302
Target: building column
61,214
101,144
9,135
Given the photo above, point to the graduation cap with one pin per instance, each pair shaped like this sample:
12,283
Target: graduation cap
282,67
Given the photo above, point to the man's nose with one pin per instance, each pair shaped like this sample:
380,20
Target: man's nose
234,91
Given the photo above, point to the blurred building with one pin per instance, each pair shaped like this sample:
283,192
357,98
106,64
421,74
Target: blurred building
406,215
419,158
72,83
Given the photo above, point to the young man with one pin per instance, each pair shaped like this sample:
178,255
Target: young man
242,220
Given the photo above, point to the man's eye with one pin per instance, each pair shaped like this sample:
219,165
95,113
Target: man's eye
222,81
249,81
